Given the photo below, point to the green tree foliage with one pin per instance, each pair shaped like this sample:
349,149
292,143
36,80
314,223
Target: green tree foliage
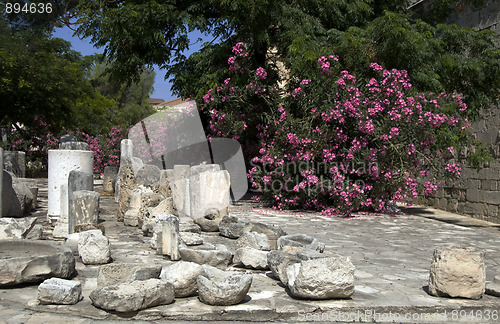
295,33
127,101
39,75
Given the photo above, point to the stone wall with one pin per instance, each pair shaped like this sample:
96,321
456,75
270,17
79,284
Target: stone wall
476,194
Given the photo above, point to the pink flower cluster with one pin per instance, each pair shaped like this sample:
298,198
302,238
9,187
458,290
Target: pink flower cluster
338,144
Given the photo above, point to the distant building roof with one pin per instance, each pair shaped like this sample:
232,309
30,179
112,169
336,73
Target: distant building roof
156,102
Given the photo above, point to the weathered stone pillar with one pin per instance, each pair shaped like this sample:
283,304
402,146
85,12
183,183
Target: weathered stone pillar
126,155
61,162
109,178
77,180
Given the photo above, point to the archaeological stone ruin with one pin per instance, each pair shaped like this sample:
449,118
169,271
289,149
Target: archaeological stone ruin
180,220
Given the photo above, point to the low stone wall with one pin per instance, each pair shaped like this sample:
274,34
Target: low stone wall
476,194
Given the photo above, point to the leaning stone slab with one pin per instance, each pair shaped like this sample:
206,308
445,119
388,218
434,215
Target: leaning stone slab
457,272
23,194
493,288
254,240
251,258
93,247
222,288
325,278
11,206
218,257
17,228
25,261
182,275
59,291
278,261
114,273
133,296
301,240
36,233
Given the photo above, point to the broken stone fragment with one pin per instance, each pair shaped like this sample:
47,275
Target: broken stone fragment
254,240
457,272
325,278
182,275
233,227
26,261
16,227
217,287
301,241
93,247
251,258
191,239
493,288
113,273
133,296
216,257
278,261
59,291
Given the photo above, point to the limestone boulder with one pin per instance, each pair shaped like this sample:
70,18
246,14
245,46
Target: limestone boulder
457,272
133,296
325,278
232,226
93,247
16,227
218,257
302,241
251,258
278,261
182,275
191,239
254,240
222,288
26,261
210,221
59,291
114,273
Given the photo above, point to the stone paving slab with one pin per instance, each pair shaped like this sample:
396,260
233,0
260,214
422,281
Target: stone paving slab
392,256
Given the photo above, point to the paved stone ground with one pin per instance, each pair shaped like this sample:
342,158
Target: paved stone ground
392,255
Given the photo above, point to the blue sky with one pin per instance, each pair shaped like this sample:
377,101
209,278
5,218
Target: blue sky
161,86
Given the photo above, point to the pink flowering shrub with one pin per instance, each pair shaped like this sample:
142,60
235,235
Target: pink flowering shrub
339,144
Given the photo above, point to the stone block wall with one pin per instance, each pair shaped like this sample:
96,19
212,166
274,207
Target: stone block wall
475,194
